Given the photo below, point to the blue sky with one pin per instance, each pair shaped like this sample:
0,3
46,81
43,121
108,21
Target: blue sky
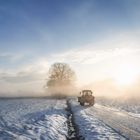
46,26
35,31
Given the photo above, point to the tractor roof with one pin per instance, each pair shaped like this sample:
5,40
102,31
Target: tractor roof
86,90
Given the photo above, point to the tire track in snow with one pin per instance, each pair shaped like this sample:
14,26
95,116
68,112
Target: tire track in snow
122,122
90,127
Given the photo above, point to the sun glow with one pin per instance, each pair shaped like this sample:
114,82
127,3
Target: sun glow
125,74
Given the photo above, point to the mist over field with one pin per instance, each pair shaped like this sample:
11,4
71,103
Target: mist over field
110,88
106,88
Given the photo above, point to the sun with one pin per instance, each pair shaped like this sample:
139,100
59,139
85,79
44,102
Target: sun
125,74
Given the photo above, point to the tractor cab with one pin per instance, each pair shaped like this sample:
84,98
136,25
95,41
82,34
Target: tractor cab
86,97
86,93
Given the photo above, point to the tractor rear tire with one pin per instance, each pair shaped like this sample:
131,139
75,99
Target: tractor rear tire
82,104
91,103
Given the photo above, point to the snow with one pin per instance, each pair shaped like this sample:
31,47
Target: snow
91,127
131,105
121,121
30,119
104,120
47,119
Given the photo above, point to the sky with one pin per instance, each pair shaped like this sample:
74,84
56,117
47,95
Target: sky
99,39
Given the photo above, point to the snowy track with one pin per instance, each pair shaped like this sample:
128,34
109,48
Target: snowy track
90,127
121,122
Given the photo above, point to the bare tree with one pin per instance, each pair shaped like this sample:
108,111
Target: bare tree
60,82
60,74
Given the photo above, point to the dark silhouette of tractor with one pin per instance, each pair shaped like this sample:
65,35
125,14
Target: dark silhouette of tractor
86,97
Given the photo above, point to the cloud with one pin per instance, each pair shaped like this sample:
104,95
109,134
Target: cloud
11,57
20,77
121,44
28,73
27,80
91,62
101,60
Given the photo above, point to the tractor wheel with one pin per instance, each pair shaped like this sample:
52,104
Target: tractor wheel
82,104
91,103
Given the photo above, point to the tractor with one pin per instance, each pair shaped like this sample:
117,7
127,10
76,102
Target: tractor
86,97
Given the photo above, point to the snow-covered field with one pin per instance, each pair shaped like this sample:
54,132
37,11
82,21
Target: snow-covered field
131,105
36,119
48,119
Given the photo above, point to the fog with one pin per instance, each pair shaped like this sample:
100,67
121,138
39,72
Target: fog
62,91
103,88
110,89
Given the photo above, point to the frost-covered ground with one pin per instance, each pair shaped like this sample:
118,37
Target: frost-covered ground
33,119
131,105
48,119
101,122
90,126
